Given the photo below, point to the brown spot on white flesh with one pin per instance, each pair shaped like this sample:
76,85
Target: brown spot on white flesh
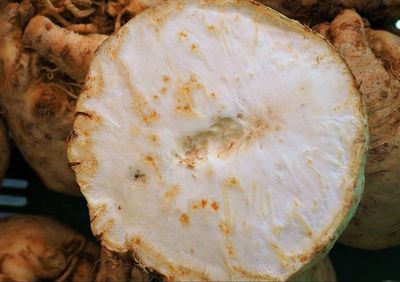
211,28
201,204
172,193
154,138
194,47
139,177
182,35
226,228
229,248
232,182
214,205
184,219
152,163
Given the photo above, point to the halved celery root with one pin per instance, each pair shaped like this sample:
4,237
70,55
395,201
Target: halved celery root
35,248
377,221
4,151
204,146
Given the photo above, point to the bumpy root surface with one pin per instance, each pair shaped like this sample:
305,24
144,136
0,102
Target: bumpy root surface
373,57
35,248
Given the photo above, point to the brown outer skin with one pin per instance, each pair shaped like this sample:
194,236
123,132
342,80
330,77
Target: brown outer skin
34,248
119,267
83,161
4,151
38,114
386,47
376,224
316,11
69,51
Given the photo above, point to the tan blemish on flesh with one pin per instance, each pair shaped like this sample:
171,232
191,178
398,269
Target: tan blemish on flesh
184,96
232,182
226,228
246,274
166,78
172,193
211,28
154,138
184,219
182,35
152,163
201,204
229,248
163,90
282,257
194,47
307,228
214,205
140,105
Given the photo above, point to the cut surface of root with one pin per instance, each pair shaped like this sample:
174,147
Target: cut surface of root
205,147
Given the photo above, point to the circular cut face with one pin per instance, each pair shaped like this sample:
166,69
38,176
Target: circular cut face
218,140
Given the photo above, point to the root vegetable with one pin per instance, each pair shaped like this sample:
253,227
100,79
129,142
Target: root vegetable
35,248
386,46
39,109
69,51
115,267
316,11
4,151
205,149
377,222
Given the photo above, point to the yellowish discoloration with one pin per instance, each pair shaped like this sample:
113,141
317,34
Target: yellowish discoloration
194,47
226,228
154,138
232,182
151,162
184,219
172,193
139,104
184,97
211,28
229,248
246,274
201,204
215,205
182,35
283,258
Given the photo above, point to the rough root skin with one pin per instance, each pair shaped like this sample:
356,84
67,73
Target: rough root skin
119,267
35,248
377,222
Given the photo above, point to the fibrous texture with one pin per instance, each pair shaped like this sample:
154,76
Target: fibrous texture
4,151
372,57
321,272
117,267
36,92
211,143
34,248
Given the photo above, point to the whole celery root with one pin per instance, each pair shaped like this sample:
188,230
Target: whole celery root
373,57
34,248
